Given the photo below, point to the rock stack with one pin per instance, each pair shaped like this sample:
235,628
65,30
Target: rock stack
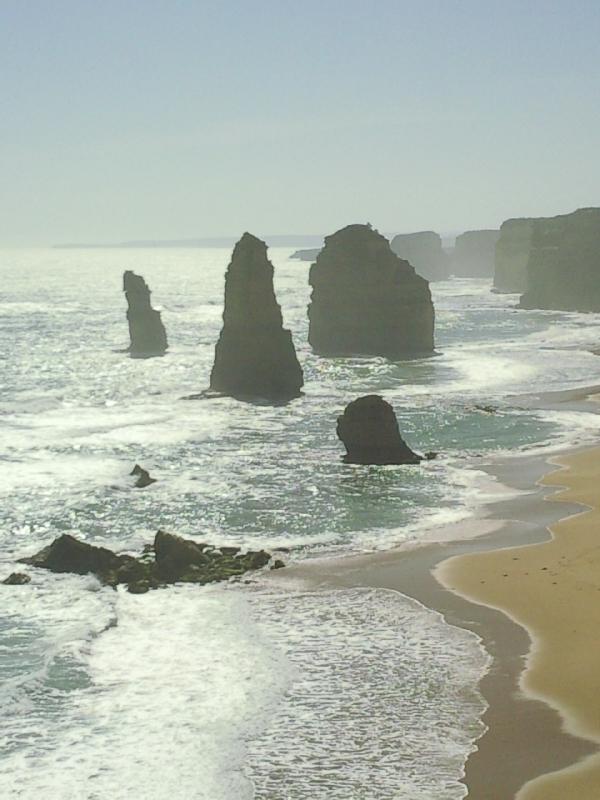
424,251
474,254
512,255
366,300
563,270
255,356
369,430
146,332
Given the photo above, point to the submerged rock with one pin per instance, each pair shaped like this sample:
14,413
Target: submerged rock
424,251
369,430
143,477
563,271
474,254
146,332
169,560
255,356
17,579
366,300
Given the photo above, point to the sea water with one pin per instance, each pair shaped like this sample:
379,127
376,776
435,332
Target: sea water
229,691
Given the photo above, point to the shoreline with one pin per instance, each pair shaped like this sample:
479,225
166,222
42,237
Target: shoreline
523,731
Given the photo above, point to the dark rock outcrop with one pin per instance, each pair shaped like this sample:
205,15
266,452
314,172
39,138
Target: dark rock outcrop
474,254
169,560
143,477
146,332
306,255
512,255
563,270
255,356
17,579
369,430
423,250
366,300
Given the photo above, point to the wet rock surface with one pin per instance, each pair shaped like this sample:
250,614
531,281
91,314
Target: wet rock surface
147,334
142,476
17,579
255,358
369,431
171,559
366,300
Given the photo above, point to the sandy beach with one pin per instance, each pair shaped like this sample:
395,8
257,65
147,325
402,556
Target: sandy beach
532,597
551,589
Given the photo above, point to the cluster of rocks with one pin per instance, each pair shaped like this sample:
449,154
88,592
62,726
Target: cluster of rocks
147,334
170,559
424,251
367,301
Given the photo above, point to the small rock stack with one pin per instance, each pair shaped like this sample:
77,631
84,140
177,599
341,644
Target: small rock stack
146,332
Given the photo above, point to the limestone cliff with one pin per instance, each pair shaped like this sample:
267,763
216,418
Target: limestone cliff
369,430
366,300
424,251
146,332
474,253
563,271
306,255
255,356
512,255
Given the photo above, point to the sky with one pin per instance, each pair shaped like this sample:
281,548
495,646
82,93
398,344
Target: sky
168,119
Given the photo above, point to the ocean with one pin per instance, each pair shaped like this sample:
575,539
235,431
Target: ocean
228,692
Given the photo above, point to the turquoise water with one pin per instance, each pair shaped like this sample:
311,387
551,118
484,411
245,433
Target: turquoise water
76,415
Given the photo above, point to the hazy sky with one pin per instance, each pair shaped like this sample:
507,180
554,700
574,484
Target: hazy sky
126,119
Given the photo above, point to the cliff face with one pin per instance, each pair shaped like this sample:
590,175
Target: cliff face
255,356
512,255
369,430
146,332
366,300
563,271
424,252
306,255
474,253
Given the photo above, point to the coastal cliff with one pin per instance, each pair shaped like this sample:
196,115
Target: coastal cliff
146,332
512,255
255,356
424,252
366,300
474,254
563,271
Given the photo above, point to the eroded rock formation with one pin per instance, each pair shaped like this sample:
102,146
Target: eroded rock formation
474,254
563,271
306,255
146,332
424,252
366,300
369,430
170,559
512,255
17,579
142,476
255,356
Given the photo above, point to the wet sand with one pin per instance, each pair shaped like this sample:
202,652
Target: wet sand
526,737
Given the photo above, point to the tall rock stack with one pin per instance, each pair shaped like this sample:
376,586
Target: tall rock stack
474,253
424,251
366,300
255,356
512,255
146,332
563,271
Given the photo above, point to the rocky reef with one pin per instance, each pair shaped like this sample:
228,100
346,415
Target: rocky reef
255,356
474,254
512,255
369,431
170,559
563,271
367,301
146,332
306,255
17,579
424,251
